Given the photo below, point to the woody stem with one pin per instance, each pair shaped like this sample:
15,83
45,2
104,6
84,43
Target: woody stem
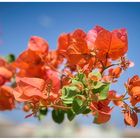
59,107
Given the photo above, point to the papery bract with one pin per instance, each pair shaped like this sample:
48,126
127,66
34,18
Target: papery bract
7,101
133,87
29,64
101,110
6,71
53,82
29,88
75,47
108,44
116,99
130,118
38,44
53,59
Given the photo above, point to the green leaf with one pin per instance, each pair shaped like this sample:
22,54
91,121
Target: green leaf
96,73
76,82
86,111
68,94
79,105
81,77
10,58
58,116
95,120
43,110
98,90
98,87
70,115
95,86
42,113
104,92
98,84
41,117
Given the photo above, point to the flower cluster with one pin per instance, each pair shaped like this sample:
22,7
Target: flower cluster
74,79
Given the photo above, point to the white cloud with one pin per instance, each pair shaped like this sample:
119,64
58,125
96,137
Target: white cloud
45,21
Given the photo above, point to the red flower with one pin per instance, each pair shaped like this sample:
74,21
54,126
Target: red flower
116,99
6,71
133,88
115,73
63,43
29,89
101,110
108,44
38,44
130,118
30,63
73,46
53,59
53,82
6,98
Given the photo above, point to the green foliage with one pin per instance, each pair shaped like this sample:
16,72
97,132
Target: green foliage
78,98
70,114
95,119
10,58
42,113
68,94
104,92
58,116
96,73
81,77
100,87
98,84
79,105
86,111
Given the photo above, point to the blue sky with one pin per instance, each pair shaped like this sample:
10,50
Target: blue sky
19,21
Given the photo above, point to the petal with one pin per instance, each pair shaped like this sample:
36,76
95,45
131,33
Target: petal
53,77
6,98
102,118
131,118
27,93
112,43
102,43
119,44
5,73
91,37
63,42
34,82
38,44
116,99
135,91
28,88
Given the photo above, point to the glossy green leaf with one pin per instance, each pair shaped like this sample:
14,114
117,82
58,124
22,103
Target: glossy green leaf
96,73
68,94
79,105
42,113
10,58
43,110
98,84
58,116
70,115
104,92
81,77
86,111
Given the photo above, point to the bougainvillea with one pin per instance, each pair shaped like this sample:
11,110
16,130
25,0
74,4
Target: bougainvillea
73,79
